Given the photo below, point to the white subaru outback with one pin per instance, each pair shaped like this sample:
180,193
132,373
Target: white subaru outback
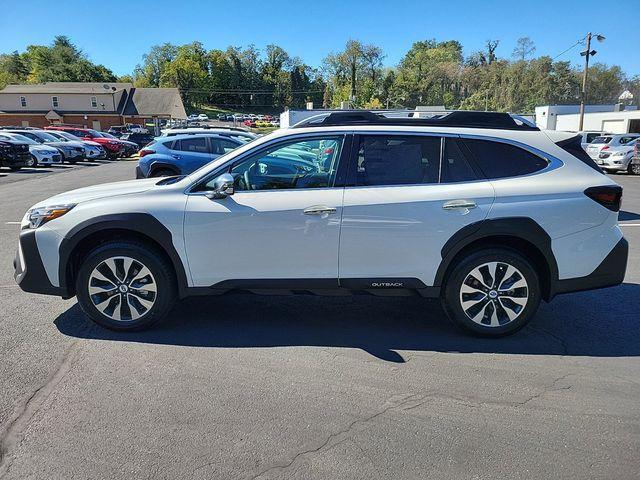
481,210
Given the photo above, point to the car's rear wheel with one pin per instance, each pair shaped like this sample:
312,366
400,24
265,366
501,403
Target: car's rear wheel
31,162
125,286
634,168
492,292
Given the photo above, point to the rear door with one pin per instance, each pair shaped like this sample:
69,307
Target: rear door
191,153
406,196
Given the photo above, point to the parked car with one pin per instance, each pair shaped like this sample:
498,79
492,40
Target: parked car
249,123
618,159
203,117
39,154
222,117
480,210
130,148
605,142
588,136
140,139
14,154
182,155
92,150
635,160
112,146
71,152
193,116
229,117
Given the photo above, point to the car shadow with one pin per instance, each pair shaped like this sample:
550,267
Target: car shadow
623,215
601,323
28,171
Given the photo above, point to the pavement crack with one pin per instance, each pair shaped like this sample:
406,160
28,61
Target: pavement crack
549,388
342,433
11,433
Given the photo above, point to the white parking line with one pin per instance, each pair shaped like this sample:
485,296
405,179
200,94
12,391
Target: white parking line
629,224
12,223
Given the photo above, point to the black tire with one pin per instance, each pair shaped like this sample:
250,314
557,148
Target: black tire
72,161
634,169
163,172
32,162
503,302
162,277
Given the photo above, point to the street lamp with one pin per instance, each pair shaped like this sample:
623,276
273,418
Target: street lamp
586,54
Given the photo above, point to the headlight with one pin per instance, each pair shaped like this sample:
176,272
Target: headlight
41,215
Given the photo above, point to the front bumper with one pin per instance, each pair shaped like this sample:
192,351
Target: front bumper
15,160
29,272
609,273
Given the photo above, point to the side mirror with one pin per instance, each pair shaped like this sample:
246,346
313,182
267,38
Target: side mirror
222,187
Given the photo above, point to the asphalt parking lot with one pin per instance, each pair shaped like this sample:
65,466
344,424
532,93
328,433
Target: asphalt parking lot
309,387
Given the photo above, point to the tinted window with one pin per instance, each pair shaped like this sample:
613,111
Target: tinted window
601,140
195,144
455,166
220,147
499,160
591,137
397,160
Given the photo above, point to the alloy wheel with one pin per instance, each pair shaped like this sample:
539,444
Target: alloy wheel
494,294
122,288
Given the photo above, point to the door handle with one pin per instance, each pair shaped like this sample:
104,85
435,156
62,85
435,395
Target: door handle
176,156
460,205
319,210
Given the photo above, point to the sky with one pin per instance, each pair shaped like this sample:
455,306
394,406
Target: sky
117,33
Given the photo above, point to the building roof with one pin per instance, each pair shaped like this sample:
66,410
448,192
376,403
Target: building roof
148,102
68,87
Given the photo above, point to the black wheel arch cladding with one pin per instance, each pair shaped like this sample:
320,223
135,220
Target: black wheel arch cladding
143,224
521,229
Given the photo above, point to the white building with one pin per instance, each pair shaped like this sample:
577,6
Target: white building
601,118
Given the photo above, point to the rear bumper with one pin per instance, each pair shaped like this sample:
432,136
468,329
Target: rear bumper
608,274
29,272
139,173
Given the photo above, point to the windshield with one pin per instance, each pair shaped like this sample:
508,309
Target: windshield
107,135
19,138
95,133
59,137
68,136
47,137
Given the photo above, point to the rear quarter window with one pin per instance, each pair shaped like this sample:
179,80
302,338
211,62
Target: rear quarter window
502,160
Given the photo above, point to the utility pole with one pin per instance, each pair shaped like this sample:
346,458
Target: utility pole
586,54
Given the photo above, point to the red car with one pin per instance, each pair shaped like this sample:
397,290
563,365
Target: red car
249,123
112,146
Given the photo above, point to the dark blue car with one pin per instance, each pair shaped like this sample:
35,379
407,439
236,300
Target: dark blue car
182,154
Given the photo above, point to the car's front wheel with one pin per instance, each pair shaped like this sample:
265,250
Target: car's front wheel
634,168
125,286
492,292
31,162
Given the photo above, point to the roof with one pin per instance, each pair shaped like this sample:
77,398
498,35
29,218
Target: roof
154,101
68,87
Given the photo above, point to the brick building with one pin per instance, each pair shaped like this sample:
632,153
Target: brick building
93,105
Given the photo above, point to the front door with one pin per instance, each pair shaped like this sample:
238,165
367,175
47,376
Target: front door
281,226
407,196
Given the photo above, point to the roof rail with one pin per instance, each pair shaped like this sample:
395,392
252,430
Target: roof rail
454,118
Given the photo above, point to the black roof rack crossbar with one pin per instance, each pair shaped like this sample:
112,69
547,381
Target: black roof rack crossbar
457,118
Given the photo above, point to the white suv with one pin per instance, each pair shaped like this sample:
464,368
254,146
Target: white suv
487,213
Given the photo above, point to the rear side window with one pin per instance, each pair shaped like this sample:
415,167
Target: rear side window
221,146
196,144
601,140
455,167
574,147
397,160
501,160
591,137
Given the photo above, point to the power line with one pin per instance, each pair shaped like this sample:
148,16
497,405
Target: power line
572,46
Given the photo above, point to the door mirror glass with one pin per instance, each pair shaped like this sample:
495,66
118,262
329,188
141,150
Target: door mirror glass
222,187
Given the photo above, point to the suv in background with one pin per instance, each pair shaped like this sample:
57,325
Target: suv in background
112,146
181,155
13,154
605,142
481,210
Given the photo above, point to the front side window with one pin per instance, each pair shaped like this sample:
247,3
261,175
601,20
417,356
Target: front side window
398,160
94,102
23,101
501,160
54,102
196,144
310,163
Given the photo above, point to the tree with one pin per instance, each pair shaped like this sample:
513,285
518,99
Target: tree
153,63
524,48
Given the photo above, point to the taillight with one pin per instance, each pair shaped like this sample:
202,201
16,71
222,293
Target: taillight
144,152
606,147
609,196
